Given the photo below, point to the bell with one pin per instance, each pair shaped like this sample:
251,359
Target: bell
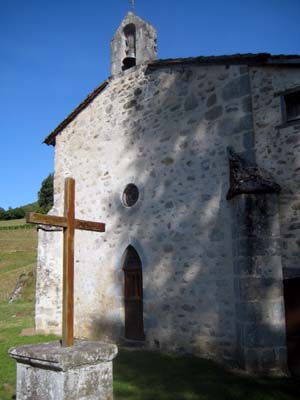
130,59
129,62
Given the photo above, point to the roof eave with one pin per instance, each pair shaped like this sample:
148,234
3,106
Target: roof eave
260,59
234,59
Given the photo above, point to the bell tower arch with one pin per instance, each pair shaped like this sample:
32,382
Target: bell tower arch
133,43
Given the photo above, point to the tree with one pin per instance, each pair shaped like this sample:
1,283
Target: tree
45,194
17,213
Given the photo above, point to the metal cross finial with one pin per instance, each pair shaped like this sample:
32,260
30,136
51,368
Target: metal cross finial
132,3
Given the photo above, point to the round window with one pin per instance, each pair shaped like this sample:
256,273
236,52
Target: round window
130,195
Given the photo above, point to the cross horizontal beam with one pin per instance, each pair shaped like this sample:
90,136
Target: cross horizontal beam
89,225
35,218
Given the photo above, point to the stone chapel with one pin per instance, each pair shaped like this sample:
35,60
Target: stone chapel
194,166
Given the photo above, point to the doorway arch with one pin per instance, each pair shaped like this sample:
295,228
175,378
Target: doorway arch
133,295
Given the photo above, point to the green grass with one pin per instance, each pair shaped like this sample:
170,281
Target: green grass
17,256
13,319
146,375
13,222
138,375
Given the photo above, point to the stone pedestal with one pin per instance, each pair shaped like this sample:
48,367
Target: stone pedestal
49,371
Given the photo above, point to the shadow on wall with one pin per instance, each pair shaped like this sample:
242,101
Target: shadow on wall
108,328
178,128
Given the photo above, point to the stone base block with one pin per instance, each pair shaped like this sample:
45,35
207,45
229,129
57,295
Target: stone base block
49,371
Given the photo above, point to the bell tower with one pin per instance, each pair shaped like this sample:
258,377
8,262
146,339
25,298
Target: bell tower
133,43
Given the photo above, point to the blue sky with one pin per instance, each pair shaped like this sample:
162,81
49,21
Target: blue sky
53,53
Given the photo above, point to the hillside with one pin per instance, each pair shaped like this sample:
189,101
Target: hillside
17,257
18,212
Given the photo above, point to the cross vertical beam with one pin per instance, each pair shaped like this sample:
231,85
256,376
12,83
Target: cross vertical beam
132,3
68,265
69,224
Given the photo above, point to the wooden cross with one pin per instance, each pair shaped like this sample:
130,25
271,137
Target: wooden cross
69,224
132,3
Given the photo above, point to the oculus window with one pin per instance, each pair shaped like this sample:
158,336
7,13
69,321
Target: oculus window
130,195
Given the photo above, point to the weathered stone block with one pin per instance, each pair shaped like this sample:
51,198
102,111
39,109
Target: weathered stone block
257,288
191,102
263,335
243,265
251,360
249,311
248,140
267,359
266,246
247,104
277,312
212,99
214,113
240,334
49,371
236,88
233,126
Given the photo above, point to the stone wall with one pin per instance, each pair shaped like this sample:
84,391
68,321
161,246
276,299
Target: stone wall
278,150
48,299
165,130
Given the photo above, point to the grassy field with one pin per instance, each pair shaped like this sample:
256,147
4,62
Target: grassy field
14,318
138,375
142,375
17,256
14,222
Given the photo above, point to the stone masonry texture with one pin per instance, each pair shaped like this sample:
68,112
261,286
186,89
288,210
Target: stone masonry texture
49,371
167,130
145,43
154,130
278,148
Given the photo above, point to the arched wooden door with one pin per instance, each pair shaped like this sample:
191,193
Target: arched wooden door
133,294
